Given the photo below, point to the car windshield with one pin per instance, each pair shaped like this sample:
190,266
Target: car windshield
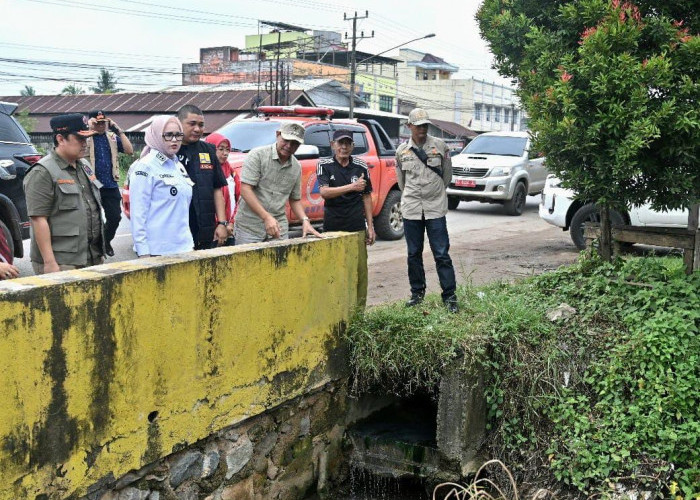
494,145
246,135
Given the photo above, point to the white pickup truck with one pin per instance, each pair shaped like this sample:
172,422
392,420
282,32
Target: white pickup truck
497,167
559,208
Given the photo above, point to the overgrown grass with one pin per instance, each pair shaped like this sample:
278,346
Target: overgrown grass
610,395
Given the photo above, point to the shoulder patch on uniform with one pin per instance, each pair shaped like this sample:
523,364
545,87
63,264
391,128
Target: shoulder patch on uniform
161,157
141,172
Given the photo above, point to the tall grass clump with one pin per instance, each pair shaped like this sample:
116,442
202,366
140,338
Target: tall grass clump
605,397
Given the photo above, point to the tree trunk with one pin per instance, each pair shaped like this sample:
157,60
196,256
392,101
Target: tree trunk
693,223
605,235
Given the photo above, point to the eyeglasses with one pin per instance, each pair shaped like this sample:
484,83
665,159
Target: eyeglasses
173,136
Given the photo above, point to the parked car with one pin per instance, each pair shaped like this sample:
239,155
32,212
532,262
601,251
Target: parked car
559,207
497,167
17,154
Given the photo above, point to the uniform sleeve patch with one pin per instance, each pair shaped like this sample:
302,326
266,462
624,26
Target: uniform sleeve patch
141,172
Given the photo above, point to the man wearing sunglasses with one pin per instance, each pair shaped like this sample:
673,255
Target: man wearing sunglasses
103,154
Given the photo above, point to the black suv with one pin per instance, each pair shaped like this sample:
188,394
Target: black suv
17,154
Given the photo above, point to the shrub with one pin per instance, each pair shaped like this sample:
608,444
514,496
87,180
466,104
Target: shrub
607,396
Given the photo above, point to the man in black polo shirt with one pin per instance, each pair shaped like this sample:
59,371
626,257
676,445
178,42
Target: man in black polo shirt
345,186
207,209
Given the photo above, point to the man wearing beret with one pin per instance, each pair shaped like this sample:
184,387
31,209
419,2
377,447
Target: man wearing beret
103,154
423,171
63,202
271,176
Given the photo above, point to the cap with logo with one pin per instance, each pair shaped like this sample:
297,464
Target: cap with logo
98,115
342,134
291,131
418,116
71,123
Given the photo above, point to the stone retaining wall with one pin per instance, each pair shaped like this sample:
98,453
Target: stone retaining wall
286,453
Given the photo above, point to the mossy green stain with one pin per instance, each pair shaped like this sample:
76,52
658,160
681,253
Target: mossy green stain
104,346
154,447
58,434
280,254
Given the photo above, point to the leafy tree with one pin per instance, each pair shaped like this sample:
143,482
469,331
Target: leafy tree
72,89
612,91
106,83
25,120
28,90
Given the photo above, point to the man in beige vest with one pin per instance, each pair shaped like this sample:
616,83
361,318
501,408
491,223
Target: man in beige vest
102,152
63,202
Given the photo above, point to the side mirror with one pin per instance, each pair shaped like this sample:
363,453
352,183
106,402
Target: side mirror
307,152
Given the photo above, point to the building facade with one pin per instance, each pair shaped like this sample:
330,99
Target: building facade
426,81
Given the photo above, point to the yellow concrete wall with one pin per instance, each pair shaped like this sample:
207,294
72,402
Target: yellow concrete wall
206,340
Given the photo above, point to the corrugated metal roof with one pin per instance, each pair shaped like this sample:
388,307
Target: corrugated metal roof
453,128
147,102
130,110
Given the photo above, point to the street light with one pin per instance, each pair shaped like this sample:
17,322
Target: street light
353,68
430,35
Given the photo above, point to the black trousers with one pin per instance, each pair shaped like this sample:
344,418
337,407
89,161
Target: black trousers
111,202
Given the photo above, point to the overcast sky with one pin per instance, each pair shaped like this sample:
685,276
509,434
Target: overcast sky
42,42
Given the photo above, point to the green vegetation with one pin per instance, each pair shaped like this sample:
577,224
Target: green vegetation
28,123
125,162
608,395
106,83
611,89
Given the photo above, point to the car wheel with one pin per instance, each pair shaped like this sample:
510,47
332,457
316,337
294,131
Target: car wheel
516,204
453,202
8,237
389,223
589,213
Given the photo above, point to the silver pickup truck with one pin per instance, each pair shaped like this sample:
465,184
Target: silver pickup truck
496,167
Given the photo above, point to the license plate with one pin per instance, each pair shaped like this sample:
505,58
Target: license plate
465,183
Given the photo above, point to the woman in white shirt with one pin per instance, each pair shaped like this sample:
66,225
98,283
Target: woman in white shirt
160,191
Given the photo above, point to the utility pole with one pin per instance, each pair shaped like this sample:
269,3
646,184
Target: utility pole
354,19
277,69
512,117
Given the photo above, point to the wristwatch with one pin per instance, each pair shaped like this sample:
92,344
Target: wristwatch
305,218
223,223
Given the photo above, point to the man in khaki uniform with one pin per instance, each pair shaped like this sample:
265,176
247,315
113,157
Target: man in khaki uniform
63,202
271,175
423,171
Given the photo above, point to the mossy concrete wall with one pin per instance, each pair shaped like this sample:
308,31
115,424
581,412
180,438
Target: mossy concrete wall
105,370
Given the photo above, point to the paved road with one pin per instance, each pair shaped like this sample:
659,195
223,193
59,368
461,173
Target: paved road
487,245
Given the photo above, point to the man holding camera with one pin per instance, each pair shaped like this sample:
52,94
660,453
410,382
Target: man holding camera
103,154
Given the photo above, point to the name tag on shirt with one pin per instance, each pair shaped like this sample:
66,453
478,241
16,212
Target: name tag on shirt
206,166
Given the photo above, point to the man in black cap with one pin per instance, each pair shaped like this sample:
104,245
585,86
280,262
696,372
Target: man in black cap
63,202
102,152
346,188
